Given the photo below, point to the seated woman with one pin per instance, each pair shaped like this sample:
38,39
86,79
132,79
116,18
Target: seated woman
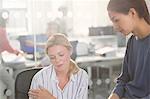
63,79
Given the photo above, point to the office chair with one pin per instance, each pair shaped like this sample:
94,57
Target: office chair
6,81
74,46
23,81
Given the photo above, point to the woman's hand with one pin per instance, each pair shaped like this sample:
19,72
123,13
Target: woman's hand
113,96
19,52
40,93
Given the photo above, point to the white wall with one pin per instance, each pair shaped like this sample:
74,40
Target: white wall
37,13
87,13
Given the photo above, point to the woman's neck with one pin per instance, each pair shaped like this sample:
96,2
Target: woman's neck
63,79
62,73
142,30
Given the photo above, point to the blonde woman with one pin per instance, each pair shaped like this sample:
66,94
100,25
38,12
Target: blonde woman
63,79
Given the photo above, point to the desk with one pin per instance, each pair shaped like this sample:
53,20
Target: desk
101,61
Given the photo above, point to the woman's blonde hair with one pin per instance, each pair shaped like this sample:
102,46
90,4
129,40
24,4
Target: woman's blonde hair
61,39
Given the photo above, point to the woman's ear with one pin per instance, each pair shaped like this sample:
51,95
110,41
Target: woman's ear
132,12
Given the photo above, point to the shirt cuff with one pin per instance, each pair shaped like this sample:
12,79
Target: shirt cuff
119,90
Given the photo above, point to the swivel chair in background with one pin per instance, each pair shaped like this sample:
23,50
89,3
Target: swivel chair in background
74,46
23,81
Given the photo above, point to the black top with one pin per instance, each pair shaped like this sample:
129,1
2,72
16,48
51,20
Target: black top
134,81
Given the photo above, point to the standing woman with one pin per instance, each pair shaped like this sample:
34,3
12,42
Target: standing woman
4,42
63,79
131,16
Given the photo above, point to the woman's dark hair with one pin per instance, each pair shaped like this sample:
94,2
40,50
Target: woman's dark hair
123,6
3,20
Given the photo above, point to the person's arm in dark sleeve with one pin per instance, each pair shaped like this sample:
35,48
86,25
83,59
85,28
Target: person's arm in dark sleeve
122,80
124,76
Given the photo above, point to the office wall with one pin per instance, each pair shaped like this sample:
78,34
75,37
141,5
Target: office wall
87,13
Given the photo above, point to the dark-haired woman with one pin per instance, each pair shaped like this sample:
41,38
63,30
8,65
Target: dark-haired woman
131,16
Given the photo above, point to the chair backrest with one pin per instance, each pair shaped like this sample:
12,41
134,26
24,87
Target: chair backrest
74,45
23,81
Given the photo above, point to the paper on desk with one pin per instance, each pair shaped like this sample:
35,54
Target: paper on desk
106,51
12,58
